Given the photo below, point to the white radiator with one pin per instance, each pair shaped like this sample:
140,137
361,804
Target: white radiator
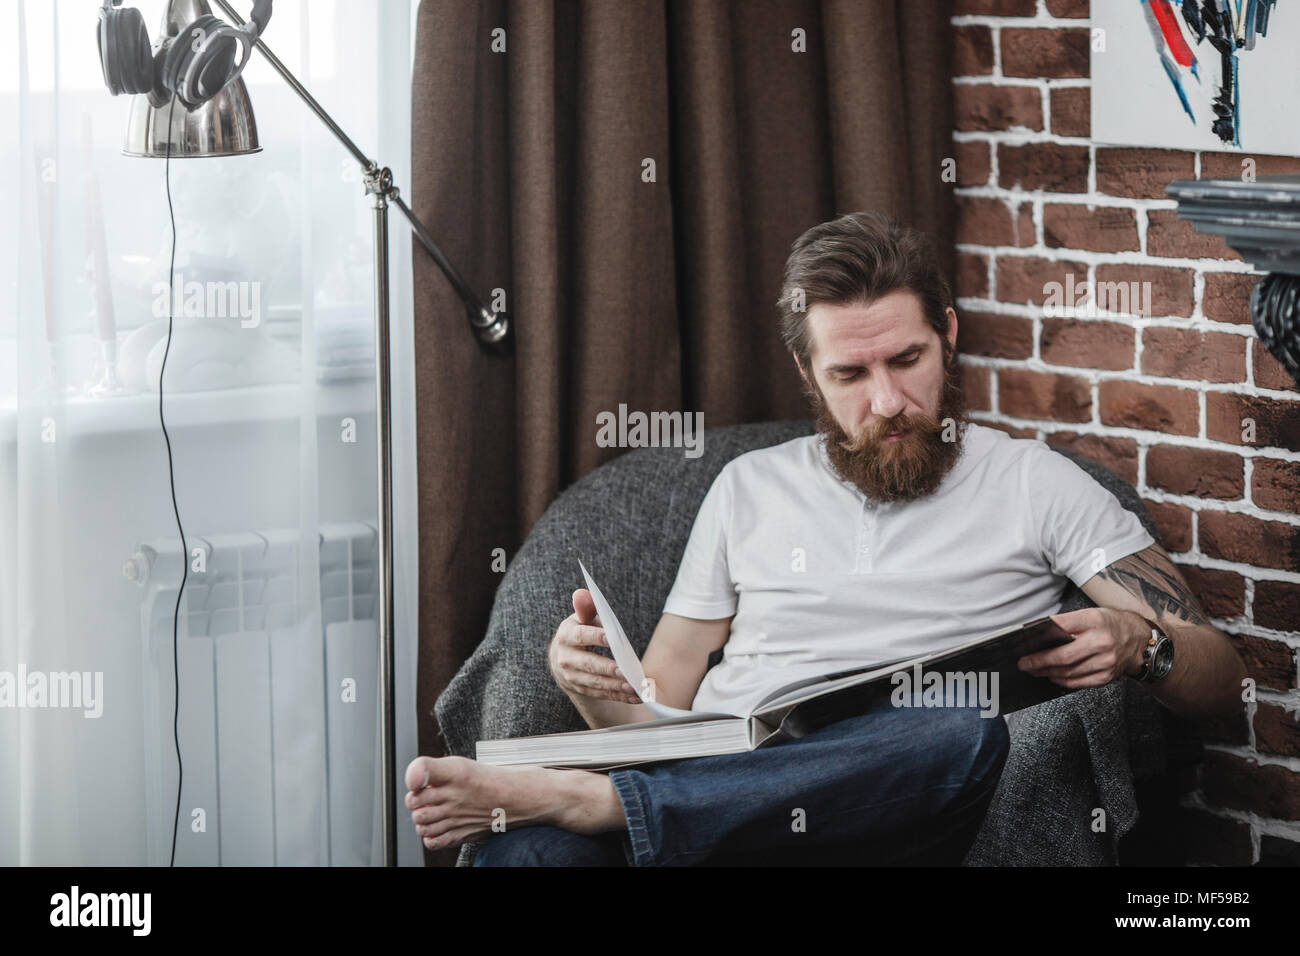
279,717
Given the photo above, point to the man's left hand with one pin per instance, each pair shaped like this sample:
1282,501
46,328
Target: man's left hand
1107,645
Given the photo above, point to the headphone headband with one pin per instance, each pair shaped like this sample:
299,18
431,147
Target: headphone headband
196,64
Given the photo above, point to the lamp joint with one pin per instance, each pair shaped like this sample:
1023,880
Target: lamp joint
379,180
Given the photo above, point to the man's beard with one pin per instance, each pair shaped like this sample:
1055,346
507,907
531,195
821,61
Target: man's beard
912,467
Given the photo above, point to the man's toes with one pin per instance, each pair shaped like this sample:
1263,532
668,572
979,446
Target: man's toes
424,772
427,814
450,771
422,798
417,773
452,838
438,827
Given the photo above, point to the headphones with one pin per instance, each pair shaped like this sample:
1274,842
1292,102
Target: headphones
196,64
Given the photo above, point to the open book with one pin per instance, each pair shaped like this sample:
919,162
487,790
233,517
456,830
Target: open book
980,673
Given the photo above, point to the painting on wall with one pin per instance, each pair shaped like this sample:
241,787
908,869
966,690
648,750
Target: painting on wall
1197,74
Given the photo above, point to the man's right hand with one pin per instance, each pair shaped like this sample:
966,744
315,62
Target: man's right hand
578,670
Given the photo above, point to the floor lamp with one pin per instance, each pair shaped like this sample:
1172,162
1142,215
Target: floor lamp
225,126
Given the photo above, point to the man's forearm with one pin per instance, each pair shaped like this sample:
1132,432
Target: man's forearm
599,712
1207,675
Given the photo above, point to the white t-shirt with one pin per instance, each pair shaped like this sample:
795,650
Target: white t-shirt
820,578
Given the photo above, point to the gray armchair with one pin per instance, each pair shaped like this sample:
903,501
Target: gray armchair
629,520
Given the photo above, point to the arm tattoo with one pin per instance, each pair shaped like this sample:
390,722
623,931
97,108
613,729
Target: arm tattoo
1150,576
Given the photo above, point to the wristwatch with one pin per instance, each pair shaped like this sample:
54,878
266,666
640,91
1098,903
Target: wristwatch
1157,655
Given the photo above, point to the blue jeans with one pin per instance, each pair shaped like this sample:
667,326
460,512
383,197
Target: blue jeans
897,785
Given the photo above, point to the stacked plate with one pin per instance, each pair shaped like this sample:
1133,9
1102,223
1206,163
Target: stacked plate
1260,219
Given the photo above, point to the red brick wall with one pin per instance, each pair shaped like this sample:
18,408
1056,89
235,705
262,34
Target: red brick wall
1160,397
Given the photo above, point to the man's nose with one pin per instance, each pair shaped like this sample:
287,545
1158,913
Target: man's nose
888,400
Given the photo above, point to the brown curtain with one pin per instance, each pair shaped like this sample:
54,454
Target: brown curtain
529,168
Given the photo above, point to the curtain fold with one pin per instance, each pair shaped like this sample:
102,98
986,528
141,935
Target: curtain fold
632,176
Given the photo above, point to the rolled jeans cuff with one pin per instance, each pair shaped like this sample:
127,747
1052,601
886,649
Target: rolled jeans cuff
634,810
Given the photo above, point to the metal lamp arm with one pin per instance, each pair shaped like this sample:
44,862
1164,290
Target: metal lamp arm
492,328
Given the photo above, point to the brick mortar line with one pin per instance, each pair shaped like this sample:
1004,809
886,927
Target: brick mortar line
1021,310
1198,312
1128,320
1133,376
1202,264
1202,426
1014,137
1093,199
1288,639
1264,760
1139,348
1191,502
1234,507
1249,598
1188,323
1144,439
1195,800
1288,700
1023,136
1202,325
1039,19
1001,80
1092,170
1268,826
1253,575
1090,257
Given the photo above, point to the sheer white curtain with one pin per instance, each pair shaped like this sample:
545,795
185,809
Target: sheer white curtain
270,406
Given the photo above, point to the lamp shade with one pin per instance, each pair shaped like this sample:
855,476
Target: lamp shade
223,126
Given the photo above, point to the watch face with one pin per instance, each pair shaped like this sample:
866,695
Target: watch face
1164,660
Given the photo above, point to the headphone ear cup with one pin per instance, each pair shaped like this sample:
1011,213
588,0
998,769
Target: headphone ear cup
181,54
124,51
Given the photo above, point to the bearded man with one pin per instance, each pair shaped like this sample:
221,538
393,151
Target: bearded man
900,528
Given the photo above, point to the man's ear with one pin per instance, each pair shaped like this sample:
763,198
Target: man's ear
952,328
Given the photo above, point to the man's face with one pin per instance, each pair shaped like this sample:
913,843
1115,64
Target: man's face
877,371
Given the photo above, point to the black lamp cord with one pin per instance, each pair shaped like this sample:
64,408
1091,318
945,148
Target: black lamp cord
171,476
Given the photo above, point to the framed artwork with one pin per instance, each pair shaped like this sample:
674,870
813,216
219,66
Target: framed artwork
1197,74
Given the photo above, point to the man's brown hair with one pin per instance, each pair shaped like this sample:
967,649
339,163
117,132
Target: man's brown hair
858,258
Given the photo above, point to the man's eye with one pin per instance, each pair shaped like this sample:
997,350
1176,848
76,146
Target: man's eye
849,376
909,362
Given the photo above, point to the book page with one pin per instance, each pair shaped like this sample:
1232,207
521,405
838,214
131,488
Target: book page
625,655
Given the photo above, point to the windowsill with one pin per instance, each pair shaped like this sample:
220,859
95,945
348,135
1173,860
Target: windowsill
82,415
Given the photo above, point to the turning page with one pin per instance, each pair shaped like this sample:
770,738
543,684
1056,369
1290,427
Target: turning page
625,655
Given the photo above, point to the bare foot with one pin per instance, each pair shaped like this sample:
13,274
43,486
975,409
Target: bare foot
454,798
